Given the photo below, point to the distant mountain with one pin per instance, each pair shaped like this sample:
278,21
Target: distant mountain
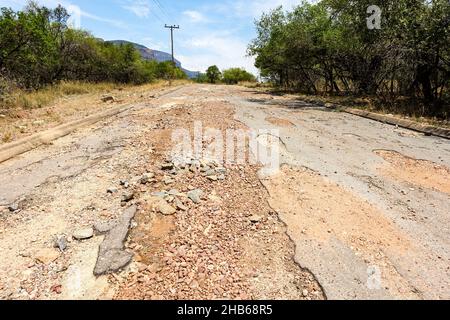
160,56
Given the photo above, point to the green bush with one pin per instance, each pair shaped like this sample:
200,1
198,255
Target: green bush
38,48
327,47
236,75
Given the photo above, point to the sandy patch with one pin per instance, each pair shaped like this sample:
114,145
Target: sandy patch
422,173
319,211
280,122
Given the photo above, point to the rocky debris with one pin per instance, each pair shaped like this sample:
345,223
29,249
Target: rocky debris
47,256
38,122
195,195
14,207
161,194
60,242
168,180
147,178
57,288
180,205
102,227
83,234
212,178
108,99
173,192
164,208
128,196
255,218
124,184
112,257
112,190
167,166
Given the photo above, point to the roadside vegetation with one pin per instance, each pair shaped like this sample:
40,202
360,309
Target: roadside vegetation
326,48
42,57
228,76
38,110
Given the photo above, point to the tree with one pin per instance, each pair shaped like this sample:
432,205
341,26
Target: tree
213,73
38,48
236,75
327,47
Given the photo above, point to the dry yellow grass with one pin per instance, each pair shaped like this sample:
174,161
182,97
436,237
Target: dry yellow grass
29,112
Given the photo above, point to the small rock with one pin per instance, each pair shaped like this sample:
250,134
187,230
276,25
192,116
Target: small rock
221,177
195,195
104,227
166,209
56,289
124,183
13,207
167,166
127,197
207,170
47,255
38,122
180,205
305,293
147,178
213,178
83,234
221,170
255,218
173,192
168,181
112,190
108,99
159,194
60,242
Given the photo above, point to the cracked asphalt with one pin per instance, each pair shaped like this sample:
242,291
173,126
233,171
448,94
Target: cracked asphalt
365,204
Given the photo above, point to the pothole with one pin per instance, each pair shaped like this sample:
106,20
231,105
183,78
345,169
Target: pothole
422,173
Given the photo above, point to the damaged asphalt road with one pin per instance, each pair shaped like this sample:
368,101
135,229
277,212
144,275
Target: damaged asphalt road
363,209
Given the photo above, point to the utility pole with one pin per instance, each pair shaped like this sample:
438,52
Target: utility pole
171,38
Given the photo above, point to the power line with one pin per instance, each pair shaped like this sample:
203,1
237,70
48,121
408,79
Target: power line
161,8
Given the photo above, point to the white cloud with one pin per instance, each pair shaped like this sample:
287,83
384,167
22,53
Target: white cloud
195,16
140,8
68,5
224,50
255,8
250,8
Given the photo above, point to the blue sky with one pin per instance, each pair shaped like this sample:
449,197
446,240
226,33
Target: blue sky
212,32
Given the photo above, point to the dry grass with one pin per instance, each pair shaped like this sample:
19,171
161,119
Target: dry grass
25,100
24,113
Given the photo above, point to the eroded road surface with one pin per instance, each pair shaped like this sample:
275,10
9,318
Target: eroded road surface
358,209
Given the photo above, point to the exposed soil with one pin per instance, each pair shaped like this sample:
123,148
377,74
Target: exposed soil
214,250
24,122
280,122
328,213
421,173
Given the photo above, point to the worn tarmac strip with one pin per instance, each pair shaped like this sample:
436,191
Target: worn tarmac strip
26,144
112,255
407,124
